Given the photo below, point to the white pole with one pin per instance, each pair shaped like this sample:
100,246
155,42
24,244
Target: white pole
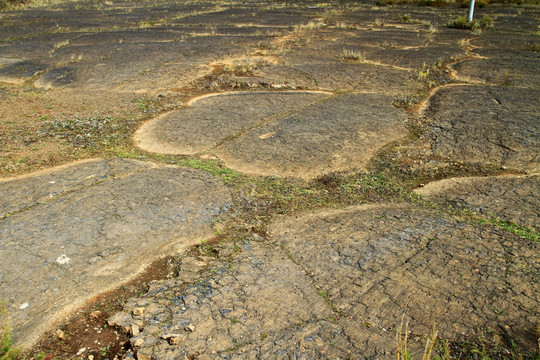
471,10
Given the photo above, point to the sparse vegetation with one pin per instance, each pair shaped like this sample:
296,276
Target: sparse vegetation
88,132
535,47
406,18
351,56
259,200
7,350
311,25
402,336
462,23
486,346
4,4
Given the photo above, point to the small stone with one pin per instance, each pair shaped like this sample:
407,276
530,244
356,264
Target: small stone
138,342
60,334
138,311
120,319
134,330
190,327
95,314
173,339
63,259
143,356
81,351
90,357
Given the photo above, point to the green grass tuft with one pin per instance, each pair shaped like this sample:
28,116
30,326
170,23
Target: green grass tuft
7,351
461,22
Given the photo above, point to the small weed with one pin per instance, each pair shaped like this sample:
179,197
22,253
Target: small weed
404,18
207,250
59,45
7,351
88,132
351,56
312,25
402,337
409,20
498,311
241,69
462,23
40,355
148,24
104,350
534,47
144,103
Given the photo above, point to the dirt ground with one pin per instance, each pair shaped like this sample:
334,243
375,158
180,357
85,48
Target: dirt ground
270,180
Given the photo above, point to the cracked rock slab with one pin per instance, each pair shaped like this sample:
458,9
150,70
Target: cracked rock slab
80,230
256,305
28,191
502,67
512,198
341,133
378,262
363,77
336,284
279,133
486,124
209,120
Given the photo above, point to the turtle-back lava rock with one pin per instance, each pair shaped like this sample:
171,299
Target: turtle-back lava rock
486,124
79,243
209,120
340,133
512,198
377,263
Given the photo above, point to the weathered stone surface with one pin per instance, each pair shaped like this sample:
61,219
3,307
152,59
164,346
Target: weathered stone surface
294,133
415,57
209,120
363,77
243,308
105,222
340,133
512,198
376,263
486,124
20,71
329,285
507,68
362,269
25,192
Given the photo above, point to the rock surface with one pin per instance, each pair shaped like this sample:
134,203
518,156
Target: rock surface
210,120
486,124
502,67
376,263
512,198
362,269
280,133
80,230
295,89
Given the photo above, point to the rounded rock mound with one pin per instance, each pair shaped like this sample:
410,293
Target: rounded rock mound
293,133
